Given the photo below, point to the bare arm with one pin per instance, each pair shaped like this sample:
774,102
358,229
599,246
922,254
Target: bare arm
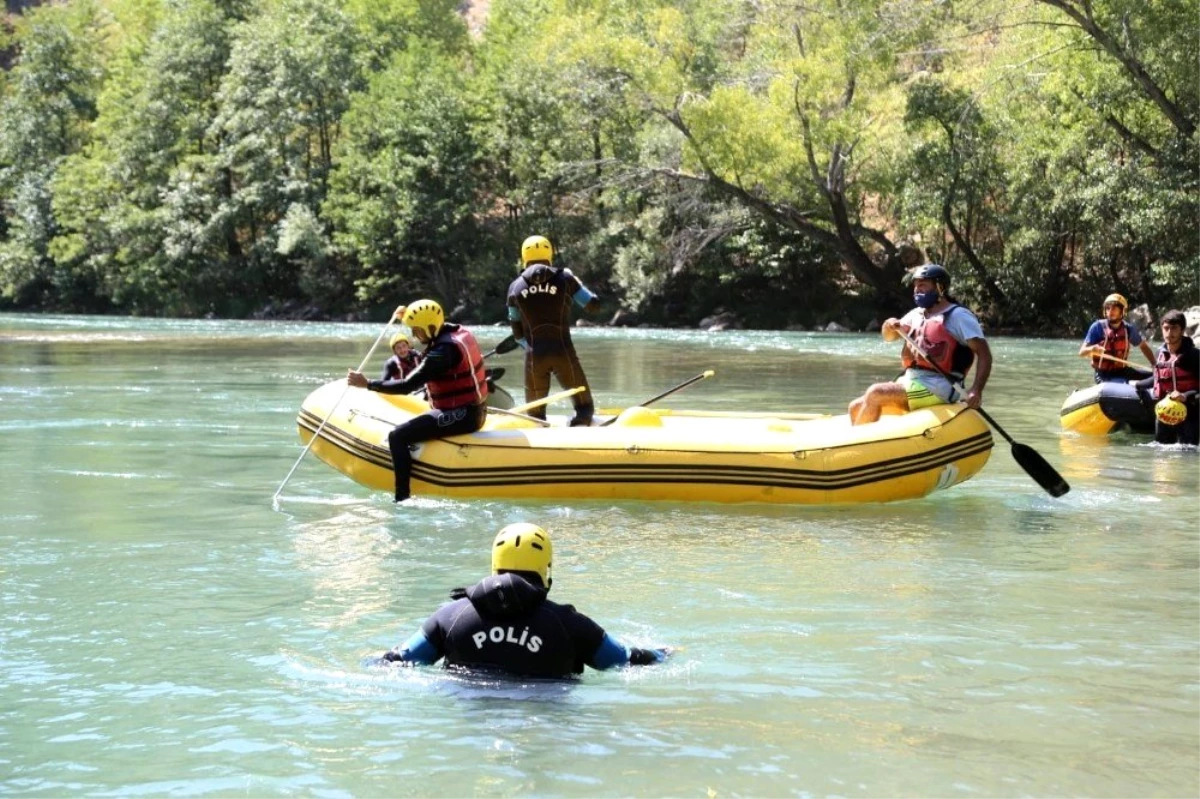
983,370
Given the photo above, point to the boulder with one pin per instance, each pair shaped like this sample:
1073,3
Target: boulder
1192,321
721,320
1139,317
834,327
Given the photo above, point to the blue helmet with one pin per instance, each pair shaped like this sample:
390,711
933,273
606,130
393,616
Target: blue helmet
934,272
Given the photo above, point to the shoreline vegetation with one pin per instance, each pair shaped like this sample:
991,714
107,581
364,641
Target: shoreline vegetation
756,165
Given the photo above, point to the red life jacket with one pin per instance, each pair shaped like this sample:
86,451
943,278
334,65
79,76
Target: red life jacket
467,385
1169,377
945,351
398,368
1116,344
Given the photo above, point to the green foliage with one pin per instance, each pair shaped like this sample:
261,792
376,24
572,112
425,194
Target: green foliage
402,197
766,157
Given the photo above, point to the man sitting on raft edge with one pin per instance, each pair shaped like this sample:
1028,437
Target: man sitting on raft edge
947,333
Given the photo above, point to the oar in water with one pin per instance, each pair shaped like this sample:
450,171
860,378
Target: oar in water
316,435
1026,457
703,375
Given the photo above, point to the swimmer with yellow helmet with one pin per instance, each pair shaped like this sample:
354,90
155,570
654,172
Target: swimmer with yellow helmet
539,310
1109,340
451,368
404,358
504,623
1175,384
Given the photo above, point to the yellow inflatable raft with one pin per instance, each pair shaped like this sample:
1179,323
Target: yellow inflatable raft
653,454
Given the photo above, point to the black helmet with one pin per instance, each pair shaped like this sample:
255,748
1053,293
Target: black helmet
934,272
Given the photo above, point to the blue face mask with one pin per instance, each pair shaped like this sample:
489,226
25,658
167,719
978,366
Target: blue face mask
925,299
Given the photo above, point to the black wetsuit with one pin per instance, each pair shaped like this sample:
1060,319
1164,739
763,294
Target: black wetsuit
442,358
1187,431
505,623
539,308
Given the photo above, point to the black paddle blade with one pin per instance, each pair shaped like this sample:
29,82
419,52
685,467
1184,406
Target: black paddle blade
1037,467
495,373
508,345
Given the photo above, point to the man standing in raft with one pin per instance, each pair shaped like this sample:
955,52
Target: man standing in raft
1114,337
948,334
505,622
451,368
539,310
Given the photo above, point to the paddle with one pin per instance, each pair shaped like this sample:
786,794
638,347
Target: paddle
703,375
1026,457
1111,358
529,406
507,345
316,435
525,416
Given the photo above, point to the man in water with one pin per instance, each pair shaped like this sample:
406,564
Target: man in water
1176,376
505,622
539,306
951,339
1114,337
452,370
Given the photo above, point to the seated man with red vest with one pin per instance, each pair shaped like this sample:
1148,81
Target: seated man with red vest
451,369
1109,341
948,334
1176,379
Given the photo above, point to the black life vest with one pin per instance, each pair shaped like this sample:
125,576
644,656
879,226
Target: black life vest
504,622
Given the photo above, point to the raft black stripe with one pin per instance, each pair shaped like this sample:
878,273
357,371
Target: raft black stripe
717,474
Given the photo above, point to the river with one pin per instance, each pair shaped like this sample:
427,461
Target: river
166,632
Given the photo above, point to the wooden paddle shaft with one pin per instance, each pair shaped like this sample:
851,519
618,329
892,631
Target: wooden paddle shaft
528,406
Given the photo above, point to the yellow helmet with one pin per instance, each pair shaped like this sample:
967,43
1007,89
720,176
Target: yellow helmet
536,248
1116,299
523,547
1170,412
396,339
425,315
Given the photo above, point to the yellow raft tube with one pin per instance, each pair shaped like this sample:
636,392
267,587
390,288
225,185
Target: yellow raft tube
652,454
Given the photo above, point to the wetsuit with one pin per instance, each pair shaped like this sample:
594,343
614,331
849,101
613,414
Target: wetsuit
539,309
398,368
1178,371
505,623
452,367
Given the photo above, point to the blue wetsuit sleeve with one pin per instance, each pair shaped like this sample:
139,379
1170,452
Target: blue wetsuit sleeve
582,297
1095,334
609,654
417,649
1135,335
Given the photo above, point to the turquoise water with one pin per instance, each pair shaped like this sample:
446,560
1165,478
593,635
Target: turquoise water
167,633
